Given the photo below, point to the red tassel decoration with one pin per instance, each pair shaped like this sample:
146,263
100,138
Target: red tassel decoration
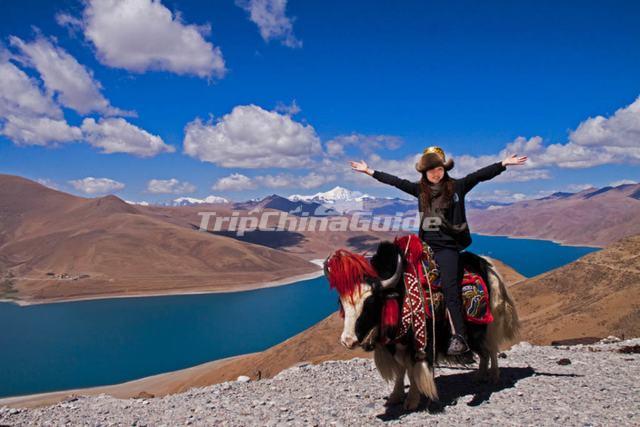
390,317
347,271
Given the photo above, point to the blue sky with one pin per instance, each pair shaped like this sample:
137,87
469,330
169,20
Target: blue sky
209,109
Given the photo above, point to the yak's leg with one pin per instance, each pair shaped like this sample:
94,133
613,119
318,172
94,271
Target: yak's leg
413,397
494,373
481,375
403,359
390,368
397,395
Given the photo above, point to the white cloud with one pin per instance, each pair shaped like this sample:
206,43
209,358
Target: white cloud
576,188
141,203
290,110
22,95
65,76
169,186
251,137
239,182
141,35
116,135
270,17
366,144
234,182
620,130
91,185
24,130
47,182
28,115
503,196
285,180
622,182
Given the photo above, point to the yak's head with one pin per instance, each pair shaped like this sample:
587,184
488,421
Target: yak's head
368,309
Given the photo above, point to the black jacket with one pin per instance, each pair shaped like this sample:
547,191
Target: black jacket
455,214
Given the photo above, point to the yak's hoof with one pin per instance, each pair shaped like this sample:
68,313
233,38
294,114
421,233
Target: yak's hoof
487,377
411,402
394,399
481,377
494,378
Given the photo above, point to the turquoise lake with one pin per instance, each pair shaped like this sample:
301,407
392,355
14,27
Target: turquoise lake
67,345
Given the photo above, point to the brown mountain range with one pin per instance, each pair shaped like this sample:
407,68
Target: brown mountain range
594,296
55,246
58,246
593,217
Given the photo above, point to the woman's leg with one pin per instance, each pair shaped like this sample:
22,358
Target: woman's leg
450,276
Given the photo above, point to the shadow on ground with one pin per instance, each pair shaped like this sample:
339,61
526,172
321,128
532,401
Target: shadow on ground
452,387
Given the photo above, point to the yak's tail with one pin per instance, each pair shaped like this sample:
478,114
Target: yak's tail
505,327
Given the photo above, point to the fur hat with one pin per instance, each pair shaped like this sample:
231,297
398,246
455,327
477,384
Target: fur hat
433,157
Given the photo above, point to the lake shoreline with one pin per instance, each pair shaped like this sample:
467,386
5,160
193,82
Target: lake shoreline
239,288
558,242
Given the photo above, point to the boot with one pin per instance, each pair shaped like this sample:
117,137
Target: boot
457,345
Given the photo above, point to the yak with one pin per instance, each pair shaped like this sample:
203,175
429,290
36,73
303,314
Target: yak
371,294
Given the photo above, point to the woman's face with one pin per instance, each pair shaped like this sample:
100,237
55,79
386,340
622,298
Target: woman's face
434,175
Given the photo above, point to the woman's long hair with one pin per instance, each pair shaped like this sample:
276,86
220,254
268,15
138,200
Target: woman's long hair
425,193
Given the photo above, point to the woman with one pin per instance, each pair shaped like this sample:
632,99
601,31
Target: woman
443,221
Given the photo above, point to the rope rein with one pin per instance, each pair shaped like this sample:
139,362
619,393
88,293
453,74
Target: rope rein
433,318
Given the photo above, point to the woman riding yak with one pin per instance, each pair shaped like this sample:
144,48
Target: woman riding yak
441,202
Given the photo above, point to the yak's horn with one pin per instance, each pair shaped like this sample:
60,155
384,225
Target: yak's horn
391,281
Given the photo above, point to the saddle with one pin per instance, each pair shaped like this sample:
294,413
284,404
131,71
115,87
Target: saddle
423,293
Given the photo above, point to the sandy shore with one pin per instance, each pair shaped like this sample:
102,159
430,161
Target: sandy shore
126,390
222,289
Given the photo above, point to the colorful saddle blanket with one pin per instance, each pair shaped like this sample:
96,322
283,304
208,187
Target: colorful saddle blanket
475,298
423,291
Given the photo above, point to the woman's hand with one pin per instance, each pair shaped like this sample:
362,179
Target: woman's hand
514,160
361,166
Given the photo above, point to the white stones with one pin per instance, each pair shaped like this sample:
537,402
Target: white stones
243,379
353,393
610,340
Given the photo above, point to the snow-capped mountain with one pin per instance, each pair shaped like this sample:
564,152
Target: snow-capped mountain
189,201
335,194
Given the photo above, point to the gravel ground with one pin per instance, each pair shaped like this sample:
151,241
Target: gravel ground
598,385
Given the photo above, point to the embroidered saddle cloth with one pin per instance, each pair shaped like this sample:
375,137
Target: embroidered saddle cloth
423,292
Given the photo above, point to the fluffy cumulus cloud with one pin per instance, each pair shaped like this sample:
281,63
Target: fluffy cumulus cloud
116,135
169,186
504,196
28,114
286,180
363,143
141,35
23,130
622,129
251,137
239,182
234,182
91,185
272,21
63,75
22,95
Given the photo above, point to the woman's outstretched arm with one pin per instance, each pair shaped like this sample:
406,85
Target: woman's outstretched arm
491,171
402,184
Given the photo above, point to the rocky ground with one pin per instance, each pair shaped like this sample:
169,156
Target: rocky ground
586,385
